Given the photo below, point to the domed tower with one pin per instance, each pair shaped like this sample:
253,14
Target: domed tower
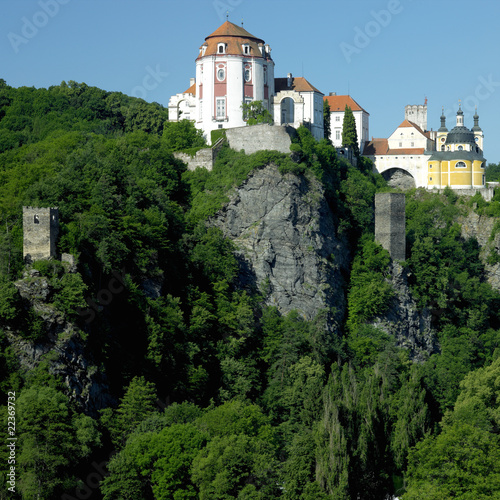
233,67
460,138
461,164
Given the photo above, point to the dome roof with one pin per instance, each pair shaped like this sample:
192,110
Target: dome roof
234,37
460,135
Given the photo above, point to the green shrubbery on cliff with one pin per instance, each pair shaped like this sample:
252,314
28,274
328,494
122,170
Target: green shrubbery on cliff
220,396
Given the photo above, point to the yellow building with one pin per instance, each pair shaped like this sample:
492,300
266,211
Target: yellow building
458,161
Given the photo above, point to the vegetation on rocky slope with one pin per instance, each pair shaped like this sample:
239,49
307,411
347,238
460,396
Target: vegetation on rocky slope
219,395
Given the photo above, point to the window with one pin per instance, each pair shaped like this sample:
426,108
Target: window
265,75
460,148
400,144
442,148
247,74
246,49
337,118
484,179
36,220
337,135
221,74
460,164
412,144
222,48
430,178
221,107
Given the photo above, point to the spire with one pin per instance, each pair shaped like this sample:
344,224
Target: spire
443,122
460,114
476,127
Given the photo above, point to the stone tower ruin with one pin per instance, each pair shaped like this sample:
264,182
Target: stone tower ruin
390,228
40,230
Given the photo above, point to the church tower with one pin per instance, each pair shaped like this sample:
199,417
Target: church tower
233,67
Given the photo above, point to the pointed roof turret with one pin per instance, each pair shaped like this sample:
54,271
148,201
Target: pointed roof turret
476,127
443,122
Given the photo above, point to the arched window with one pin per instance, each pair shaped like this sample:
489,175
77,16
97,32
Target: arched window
460,164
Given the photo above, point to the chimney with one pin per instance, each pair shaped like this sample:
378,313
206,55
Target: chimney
289,80
192,81
332,93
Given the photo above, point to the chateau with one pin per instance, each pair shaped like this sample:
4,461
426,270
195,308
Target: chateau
434,159
235,67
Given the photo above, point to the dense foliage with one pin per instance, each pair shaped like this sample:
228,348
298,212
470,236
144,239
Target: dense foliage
349,132
217,395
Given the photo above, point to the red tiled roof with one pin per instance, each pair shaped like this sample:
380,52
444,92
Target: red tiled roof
191,90
339,102
376,147
380,147
408,123
234,37
299,84
230,29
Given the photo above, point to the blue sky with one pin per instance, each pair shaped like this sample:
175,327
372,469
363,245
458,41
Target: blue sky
384,53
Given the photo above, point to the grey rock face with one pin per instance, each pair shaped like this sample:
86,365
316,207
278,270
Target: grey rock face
62,347
411,328
481,228
287,245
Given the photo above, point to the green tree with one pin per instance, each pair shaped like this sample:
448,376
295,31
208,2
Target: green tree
254,112
349,133
52,439
137,404
327,120
463,461
155,465
492,172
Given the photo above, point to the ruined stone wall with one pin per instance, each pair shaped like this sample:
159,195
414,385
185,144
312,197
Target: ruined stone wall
203,158
390,223
40,230
259,137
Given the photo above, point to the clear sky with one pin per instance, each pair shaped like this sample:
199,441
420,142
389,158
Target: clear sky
384,53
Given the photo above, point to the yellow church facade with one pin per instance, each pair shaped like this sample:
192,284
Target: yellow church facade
458,160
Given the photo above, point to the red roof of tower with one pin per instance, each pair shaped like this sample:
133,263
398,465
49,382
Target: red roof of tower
234,37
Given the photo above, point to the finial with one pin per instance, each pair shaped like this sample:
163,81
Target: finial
442,110
227,15
460,103
242,22
425,103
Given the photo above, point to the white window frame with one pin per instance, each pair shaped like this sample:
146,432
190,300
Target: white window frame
220,108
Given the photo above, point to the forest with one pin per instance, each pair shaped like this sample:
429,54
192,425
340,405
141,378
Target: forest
206,390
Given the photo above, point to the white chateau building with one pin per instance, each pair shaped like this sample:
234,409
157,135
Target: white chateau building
235,67
337,105
434,159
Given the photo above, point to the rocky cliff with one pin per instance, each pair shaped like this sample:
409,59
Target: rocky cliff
410,327
62,347
287,244
481,227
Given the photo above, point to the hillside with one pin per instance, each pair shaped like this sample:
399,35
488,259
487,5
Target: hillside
236,333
